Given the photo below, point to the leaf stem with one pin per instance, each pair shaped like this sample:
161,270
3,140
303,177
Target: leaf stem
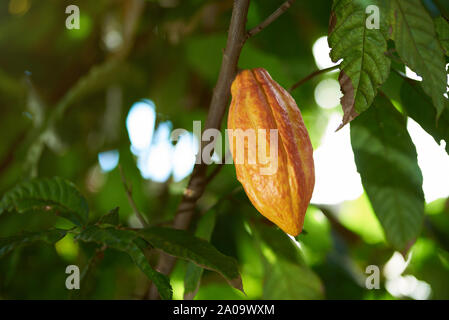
311,76
276,14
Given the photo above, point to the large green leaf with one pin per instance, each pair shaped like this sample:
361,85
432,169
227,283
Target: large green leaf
49,194
129,242
417,44
419,107
26,238
194,272
387,162
183,245
289,281
365,66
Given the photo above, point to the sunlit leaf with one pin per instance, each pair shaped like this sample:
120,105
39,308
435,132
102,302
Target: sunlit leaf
288,281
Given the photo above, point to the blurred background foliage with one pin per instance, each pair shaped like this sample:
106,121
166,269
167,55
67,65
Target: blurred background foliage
164,56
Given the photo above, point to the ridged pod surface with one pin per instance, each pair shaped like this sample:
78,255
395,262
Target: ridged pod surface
259,102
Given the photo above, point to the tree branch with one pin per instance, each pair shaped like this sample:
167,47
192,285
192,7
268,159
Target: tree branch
312,75
279,11
217,108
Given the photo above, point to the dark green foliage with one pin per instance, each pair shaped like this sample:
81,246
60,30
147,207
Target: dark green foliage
183,245
65,95
418,106
128,242
27,238
194,272
386,160
47,194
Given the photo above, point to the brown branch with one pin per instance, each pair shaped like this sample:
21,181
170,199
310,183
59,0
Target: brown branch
279,11
217,109
311,76
130,198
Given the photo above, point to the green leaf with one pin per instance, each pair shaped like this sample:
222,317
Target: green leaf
26,238
48,194
183,245
364,67
443,6
194,272
289,281
442,29
418,106
417,44
386,160
112,217
129,242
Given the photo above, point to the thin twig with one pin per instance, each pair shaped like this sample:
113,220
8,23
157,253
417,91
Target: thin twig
311,76
130,199
279,11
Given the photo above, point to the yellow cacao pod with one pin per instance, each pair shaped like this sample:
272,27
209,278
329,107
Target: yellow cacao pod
282,194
